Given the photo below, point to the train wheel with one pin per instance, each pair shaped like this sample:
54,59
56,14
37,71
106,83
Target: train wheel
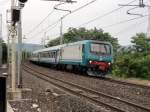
97,73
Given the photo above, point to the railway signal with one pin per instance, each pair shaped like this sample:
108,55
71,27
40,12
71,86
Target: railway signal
16,18
15,15
23,1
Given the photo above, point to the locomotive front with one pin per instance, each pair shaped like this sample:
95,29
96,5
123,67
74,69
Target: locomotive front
99,58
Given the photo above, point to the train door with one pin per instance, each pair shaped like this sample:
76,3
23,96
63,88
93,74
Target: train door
38,56
57,56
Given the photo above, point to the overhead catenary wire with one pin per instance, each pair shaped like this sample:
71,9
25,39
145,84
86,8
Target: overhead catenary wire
80,7
97,18
106,14
124,21
129,27
53,25
40,23
58,19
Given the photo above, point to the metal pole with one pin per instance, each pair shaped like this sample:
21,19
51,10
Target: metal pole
13,54
148,28
61,32
13,61
19,51
0,39
8,43
44,40
8,52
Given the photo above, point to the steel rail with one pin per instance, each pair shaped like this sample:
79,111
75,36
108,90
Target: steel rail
127,83
114,81
96,92
48,79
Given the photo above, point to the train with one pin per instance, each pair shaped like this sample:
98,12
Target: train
89,56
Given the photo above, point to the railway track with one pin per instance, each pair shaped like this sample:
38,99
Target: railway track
127,83
117,81
113,81
99,98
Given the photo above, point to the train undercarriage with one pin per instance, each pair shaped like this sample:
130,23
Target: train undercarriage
94,70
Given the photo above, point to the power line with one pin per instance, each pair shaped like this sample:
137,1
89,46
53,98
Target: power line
99,17
124,21
80,8
129,27
55,23
40,22
108,13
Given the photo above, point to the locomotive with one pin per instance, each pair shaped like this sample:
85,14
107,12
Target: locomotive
90,56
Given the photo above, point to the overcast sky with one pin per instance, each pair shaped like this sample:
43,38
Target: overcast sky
36,10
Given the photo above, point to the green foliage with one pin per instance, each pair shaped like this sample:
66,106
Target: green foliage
132,65
4,52
53,42
141,42
74,35
137,63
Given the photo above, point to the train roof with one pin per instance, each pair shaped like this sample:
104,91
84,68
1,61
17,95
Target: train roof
49,48
54,48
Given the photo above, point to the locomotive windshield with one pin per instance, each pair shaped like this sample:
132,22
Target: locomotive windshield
100,48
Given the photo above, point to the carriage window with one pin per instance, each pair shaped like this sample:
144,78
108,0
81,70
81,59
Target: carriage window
44,54
99,48
51,54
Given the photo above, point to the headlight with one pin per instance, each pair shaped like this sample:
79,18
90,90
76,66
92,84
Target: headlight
90,61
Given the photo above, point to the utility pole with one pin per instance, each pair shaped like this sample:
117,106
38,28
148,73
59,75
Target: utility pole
44,39
8,51
8,21
61,30
0,39
19,50
148,28
61,19
13,53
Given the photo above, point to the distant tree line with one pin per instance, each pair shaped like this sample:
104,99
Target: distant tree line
74,35
4,52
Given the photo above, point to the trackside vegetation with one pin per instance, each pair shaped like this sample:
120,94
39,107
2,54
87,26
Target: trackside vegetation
134,62
4,52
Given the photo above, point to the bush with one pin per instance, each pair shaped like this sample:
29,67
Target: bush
132,65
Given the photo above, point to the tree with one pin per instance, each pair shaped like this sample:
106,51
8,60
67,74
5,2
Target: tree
137,63
141,42
53,42
4,52
74,35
